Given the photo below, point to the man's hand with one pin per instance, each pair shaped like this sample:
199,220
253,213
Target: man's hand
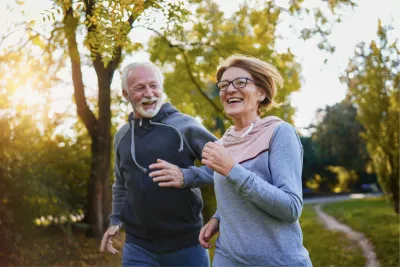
207,232
107,242
168,175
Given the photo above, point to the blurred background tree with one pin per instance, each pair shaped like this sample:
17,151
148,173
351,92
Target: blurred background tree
94,34
43,174
373,80
191,53
335,157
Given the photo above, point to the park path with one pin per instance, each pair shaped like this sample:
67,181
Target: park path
332,224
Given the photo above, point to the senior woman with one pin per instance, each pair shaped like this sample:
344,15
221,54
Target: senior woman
257,174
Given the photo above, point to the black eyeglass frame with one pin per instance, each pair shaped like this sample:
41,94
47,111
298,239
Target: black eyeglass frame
231,82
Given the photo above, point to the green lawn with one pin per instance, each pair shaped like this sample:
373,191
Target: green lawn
327,248
377,220
374,217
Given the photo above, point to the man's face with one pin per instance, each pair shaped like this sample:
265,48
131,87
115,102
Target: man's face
144,91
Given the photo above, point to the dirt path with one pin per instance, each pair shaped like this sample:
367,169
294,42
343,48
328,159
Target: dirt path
366,246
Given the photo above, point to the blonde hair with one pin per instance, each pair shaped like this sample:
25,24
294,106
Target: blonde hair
265,75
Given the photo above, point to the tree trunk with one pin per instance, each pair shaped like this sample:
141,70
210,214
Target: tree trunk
99,190
394,182
98,193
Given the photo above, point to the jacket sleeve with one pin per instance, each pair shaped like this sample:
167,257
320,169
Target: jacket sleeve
196,137
197,176
216,216
118,191
283,198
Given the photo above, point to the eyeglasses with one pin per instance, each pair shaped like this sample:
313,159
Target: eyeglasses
237,83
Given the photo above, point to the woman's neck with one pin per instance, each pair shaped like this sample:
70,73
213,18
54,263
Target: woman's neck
243,122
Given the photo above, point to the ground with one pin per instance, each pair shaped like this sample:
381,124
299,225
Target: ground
374,217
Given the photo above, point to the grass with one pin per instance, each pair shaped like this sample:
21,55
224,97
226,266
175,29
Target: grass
327,248
54,248
377,220
374,217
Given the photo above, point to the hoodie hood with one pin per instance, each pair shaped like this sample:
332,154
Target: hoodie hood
249,142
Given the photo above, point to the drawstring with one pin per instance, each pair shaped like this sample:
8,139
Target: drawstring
133,148
133,141
176,130
248,130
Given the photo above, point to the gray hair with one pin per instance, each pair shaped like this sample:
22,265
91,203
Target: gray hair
128,68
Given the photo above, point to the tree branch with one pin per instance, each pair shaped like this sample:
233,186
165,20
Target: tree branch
83,110
190,72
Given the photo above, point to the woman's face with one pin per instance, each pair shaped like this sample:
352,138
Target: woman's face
240,103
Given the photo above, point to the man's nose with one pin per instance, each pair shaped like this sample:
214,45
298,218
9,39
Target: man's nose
148,91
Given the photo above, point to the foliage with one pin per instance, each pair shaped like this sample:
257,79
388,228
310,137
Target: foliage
41,174
191,55
376,220
336,133
96,33
329,164
373,80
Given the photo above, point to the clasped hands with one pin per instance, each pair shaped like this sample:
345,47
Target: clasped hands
214,156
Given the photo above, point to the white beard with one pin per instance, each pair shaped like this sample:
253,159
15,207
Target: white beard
149,113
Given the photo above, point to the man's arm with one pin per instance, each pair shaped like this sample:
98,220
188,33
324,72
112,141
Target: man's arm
197,137
197,176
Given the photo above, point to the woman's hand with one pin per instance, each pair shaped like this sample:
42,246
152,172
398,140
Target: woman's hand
217,157
207,232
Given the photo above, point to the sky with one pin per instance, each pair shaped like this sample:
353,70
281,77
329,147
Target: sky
320,81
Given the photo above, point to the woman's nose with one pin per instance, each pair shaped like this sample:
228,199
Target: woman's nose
231,88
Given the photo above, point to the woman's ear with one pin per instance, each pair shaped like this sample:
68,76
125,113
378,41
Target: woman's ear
261,95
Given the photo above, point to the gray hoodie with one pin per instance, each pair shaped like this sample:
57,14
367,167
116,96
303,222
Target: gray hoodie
259,204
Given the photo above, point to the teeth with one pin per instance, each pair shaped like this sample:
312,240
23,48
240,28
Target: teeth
234,99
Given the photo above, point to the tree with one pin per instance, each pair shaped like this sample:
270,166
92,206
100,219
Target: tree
105,26
373,80
198,48
336,133
41,174
335,157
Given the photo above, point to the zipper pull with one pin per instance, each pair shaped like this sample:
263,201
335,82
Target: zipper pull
140,123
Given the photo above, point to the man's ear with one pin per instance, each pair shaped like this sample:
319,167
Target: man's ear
125,94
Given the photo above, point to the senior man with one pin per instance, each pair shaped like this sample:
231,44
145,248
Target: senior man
155,150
